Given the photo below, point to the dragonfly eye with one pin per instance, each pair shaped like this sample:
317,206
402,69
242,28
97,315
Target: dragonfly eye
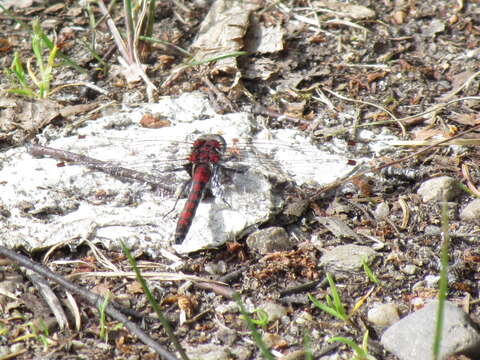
222,144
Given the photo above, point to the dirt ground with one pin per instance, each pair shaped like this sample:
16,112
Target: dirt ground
400,67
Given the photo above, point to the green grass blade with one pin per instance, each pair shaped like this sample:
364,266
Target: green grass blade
365,341
328,309
150,18
22,92
443,283
216,58
166,43
349,342
18,70
153,302
307,345
371,276
262,320
336,297
103,327
253,329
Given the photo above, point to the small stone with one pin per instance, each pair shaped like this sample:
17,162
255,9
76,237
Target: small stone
383,314
77,345
417,303
409,269
438,189
225,308
216,268
381,211
471,212
4,350
432,230
295,355
269,240
227,336
436,26
208,352
304,318
274,341
431,281
241,353
347,258
16,348
274,311
412,337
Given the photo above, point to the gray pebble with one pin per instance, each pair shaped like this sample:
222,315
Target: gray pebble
269,240
438,189
409,269
208,352
381,211
274,311
412,337
383,314
347,258
471,212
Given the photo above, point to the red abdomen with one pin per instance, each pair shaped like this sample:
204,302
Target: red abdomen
204,158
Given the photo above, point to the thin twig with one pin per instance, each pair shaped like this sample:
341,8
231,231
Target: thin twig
404,132
95,164
219,94
337,183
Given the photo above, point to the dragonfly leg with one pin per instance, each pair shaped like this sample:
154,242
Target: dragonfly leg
180,193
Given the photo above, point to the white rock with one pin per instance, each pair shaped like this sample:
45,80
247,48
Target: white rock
471,212
383,314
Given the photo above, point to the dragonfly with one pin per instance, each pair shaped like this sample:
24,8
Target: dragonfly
205,163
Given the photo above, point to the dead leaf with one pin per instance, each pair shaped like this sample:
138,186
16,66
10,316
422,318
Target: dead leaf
344,10
376,76
458,81
187,304
261,39
101,289
153,122
5,45
21,117
54,8
134,288
466,119
427,133
262,68
221,33
398,17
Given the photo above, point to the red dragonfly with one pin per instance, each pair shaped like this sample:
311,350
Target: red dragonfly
204,158
203,166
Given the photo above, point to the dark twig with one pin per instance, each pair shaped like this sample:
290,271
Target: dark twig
91,298
231,276
217,289
303,287
99,165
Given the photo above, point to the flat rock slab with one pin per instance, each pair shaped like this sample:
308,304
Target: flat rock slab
44,204
412,337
